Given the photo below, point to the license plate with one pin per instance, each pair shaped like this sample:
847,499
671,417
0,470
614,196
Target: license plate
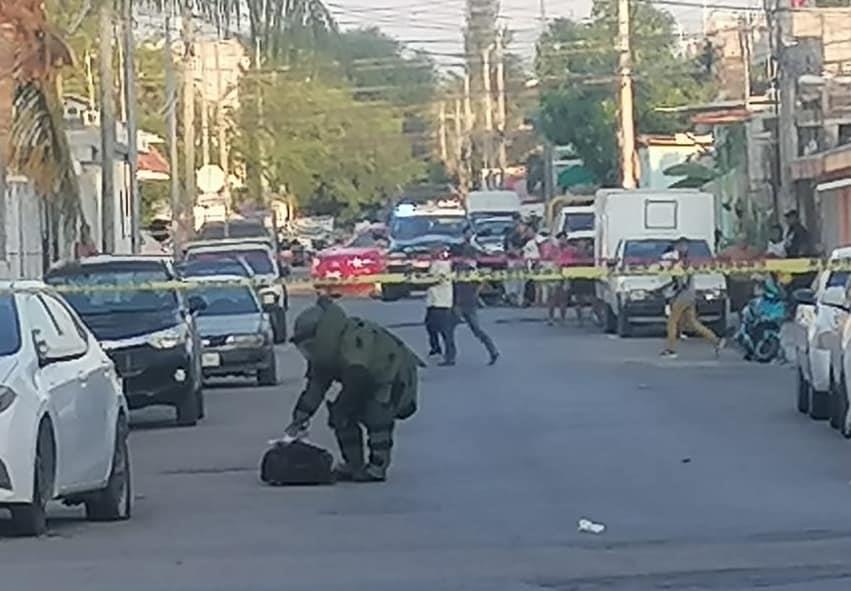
211,360
333,275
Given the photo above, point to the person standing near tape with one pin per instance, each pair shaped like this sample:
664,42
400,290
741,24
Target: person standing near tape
439,320
465,295
683,304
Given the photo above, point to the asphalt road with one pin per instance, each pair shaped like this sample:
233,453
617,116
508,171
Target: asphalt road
701,470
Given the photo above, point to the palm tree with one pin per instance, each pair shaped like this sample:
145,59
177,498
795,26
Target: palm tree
32,141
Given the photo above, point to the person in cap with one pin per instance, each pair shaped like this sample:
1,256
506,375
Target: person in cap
683,303
465,295
378,375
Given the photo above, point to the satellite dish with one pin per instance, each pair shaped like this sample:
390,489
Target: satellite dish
210,178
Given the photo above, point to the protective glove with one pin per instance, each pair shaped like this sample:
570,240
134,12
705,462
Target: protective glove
296,430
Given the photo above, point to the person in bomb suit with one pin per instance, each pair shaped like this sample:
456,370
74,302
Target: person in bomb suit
378,375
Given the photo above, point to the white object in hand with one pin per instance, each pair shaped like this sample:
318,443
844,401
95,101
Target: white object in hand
588,526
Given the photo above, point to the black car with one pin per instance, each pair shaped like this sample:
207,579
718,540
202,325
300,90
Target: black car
149,332
413,256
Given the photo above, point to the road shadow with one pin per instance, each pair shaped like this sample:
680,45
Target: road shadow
58,526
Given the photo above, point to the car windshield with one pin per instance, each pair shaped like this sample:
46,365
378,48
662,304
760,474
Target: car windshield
241,229
407,228
837,279
116,290
651,251
228,301
367,239
224,266
259,260
578,222
10,329
493,229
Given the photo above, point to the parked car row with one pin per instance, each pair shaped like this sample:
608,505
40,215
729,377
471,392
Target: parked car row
108,334
822,343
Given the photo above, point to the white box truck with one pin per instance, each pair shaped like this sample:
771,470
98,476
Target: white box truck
639,226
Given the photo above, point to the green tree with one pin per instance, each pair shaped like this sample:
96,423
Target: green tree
335,154
581,110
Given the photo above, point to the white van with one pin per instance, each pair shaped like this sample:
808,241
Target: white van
492,203
637,227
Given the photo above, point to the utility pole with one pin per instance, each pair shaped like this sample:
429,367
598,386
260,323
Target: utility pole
627,123
107,129
468,104
171,124
205,114
221,123
132,127
502,155
487,107
745,46
188,120
787,131
444,154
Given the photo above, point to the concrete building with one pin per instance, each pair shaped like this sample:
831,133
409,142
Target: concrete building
657,153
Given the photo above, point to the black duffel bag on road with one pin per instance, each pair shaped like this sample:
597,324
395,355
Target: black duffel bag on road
296,463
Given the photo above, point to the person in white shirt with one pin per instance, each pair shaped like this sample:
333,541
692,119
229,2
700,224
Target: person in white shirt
440,320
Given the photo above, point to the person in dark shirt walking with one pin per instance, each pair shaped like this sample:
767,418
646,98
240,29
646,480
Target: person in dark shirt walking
466,295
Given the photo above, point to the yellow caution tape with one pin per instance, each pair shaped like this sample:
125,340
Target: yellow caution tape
783,267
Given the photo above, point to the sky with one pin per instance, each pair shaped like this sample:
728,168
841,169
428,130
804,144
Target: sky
436,26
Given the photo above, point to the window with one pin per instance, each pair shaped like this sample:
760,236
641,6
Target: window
660,215
55,327
227,301
112,300
837,279
578,222
10,328
408,228
259,260
651,251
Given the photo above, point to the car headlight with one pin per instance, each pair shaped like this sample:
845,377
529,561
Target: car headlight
245,340
168,339
638,294
7,397
713,294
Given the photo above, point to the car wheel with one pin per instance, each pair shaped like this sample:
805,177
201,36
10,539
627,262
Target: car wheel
189,410
610,322
279,326
390,294
624,327
836,419
202,411
719,327
114,503
819,405
268,376
842,408
30,520
803,394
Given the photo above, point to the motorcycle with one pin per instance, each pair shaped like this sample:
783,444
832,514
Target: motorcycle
761,321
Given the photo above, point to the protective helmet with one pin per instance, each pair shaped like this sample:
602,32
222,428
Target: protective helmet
306,324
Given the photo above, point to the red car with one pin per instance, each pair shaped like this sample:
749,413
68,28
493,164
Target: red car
362,255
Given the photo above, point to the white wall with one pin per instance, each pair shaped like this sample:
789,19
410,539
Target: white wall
655,159
24,232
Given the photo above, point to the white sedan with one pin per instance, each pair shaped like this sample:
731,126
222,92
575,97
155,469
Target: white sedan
63,416
820,319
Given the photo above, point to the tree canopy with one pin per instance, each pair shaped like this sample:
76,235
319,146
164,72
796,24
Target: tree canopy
580,108
335,154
